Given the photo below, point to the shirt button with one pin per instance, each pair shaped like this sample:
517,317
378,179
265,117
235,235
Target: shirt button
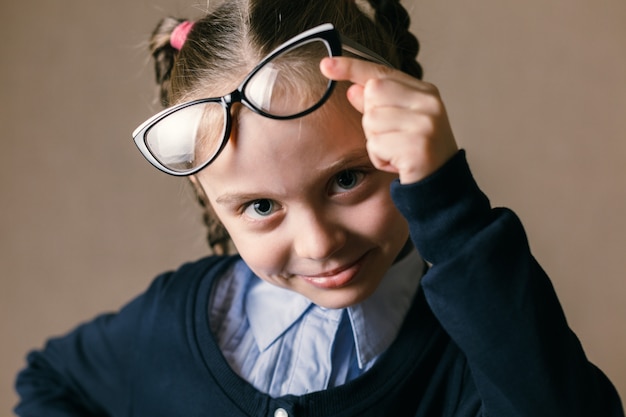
281,412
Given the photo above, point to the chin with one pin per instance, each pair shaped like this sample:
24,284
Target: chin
341,298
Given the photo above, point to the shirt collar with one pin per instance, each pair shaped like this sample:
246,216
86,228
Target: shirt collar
272,310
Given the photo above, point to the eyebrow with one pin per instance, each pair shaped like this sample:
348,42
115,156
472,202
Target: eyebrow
356,157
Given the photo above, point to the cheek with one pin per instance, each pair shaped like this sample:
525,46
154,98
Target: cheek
385,219
391,225
265,255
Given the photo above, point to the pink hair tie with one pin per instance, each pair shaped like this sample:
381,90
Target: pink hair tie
179,34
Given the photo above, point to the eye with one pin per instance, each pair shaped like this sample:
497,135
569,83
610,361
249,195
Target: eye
346,180
260,208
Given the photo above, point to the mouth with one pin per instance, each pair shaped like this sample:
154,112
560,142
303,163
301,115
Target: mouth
336,278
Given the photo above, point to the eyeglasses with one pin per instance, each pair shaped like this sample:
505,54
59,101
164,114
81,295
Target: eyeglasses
287,84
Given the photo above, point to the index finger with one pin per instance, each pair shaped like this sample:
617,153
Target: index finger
356,70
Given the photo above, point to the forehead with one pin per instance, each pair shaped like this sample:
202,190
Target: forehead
263,152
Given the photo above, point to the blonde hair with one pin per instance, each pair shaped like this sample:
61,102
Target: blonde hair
231,38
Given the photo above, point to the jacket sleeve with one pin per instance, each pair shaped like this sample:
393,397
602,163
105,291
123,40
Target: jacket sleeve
497,304
86,372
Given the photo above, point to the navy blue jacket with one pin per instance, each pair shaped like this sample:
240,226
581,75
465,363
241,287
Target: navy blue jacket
486,336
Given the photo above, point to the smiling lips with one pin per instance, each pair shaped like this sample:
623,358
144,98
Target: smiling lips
336,278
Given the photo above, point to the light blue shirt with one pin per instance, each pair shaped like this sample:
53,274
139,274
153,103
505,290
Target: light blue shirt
282,343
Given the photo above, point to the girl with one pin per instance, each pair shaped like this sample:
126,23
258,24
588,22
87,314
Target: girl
312,143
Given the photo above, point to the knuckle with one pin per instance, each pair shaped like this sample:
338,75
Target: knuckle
430,88
385,71
427,103
368,122
428,126
434,104
374,87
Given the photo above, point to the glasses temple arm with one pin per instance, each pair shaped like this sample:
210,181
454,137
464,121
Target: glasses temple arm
361,51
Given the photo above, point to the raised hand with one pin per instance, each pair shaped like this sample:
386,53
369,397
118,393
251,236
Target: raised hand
404,119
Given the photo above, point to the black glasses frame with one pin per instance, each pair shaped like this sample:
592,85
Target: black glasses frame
326,33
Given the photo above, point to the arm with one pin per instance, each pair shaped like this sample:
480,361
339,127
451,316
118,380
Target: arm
85,373
497,303
485,287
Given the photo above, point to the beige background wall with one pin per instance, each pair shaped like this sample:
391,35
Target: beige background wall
537,95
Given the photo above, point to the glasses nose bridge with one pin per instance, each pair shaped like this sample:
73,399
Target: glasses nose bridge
228,101
232,98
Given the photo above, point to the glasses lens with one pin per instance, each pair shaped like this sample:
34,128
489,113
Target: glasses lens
188,138
291,83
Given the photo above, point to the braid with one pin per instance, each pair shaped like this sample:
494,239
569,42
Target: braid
395,19
164,55
217,236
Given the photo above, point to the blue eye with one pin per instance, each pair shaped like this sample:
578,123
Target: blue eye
260,208
346,180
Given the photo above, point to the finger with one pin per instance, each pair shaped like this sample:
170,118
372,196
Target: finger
355,96
402,153
374,77
392,93
355,70
415,144
387,120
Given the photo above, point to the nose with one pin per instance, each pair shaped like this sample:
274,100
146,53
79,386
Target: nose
317,237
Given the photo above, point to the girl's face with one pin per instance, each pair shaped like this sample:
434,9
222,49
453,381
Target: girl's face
304,206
